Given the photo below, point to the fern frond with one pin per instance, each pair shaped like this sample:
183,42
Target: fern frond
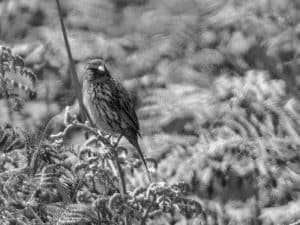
71,214
10,139
12,68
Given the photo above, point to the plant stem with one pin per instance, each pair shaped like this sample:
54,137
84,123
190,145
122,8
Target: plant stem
38,219
77,87
121,173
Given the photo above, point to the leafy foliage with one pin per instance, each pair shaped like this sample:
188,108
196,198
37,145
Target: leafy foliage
10,140
11,87
58,184
247,149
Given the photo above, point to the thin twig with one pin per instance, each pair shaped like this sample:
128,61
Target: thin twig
39,220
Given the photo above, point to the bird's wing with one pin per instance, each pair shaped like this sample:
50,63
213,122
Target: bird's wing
127,112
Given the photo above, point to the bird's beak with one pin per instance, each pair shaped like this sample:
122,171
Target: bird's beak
101,68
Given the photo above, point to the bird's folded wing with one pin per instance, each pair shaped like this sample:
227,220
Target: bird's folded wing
127,112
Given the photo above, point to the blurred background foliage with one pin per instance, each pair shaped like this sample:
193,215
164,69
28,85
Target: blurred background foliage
216,85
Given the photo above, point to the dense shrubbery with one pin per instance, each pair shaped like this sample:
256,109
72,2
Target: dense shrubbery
219,78
247,151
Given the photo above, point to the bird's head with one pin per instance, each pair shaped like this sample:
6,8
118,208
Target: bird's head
96,69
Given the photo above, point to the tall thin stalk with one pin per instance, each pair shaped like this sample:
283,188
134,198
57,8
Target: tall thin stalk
77,87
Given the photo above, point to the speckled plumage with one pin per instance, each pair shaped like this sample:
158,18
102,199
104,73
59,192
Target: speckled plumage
109,104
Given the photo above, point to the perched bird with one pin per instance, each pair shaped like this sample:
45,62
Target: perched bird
109,105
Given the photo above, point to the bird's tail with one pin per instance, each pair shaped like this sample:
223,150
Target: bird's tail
135,143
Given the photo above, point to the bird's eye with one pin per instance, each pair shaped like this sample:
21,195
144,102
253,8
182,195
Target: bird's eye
101,68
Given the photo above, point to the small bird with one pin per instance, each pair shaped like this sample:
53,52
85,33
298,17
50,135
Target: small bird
109,105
